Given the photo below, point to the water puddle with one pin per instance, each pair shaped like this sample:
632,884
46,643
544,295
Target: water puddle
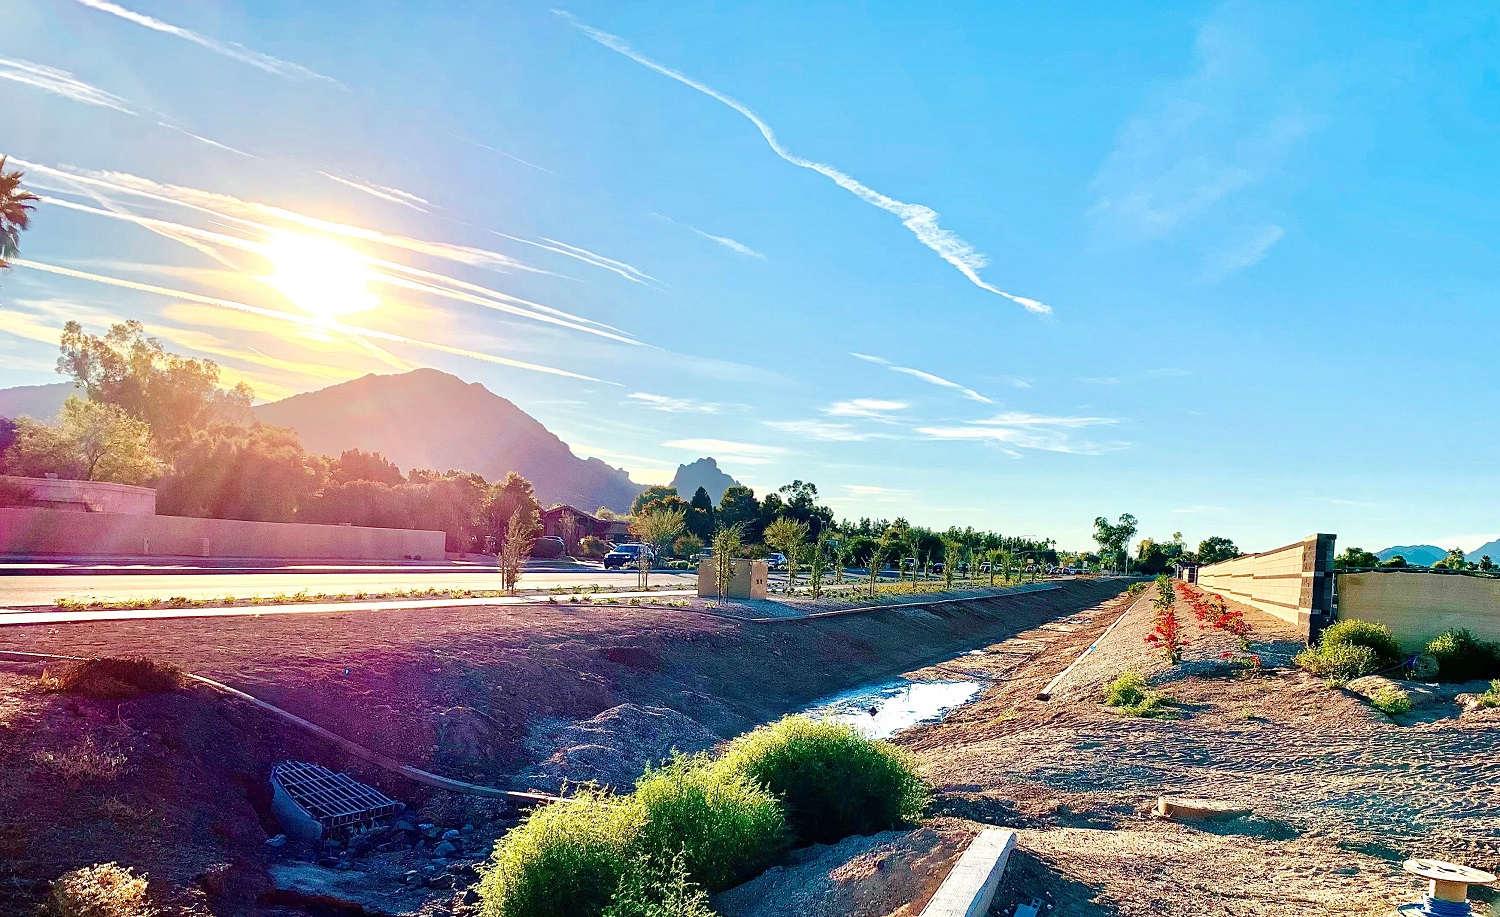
880,711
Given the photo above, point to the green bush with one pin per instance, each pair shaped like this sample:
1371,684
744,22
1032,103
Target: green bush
106,890
1463,657
1135,589
565,859
1364,633
1491,698
726,827
1126,691
1340,663
1391,701
833,781
650,889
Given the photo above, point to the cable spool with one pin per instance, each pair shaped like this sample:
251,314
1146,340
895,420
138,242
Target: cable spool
1448,891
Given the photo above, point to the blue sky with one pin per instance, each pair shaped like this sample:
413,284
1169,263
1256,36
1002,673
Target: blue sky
819,240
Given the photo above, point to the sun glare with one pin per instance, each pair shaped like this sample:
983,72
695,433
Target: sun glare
322,277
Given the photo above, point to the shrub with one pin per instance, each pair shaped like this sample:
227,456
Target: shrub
1364,633
112,677
1340,663
106,890
1390,700
652,890
726,827
564,860
1135,589
833,781
1463,657
1491,698
1126,691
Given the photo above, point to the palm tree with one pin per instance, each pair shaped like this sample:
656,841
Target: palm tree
15,212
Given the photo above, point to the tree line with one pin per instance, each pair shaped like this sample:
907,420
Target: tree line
156,418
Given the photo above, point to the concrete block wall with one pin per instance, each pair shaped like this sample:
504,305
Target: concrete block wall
85,496
1419,606
31,532
1294,583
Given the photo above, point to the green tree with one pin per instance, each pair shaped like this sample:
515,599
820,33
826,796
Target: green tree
727,545
1356,559
657,527
653,494
16,205
787,535
506,499
1396,562
176,395
90,442
520,535
1485,564
1215,550
953,554
1454,561
226,471
1114,538
738,507
359,465
700,517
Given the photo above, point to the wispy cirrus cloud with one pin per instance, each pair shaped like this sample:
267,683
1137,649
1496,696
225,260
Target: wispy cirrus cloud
1242,255
613,265
731,244
726,449
318,325
925,376
874,491
385,193
1200,140
671,405
1021,430
62,83
920,219
873,408
229,49
824,431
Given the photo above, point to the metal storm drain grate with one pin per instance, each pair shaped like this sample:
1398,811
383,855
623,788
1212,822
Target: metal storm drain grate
329,799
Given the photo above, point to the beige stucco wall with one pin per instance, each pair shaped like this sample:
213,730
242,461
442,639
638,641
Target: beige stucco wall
1419,606
33,532
87,496
748,580
1290,582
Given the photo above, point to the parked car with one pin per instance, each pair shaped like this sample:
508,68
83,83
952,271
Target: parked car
701,556
627,555
938,568
548,547
776,561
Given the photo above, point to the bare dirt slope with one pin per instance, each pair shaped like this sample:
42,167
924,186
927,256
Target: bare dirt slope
465,692
1340,793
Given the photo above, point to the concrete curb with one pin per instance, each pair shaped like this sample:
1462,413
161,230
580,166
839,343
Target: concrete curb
970,888
1047,692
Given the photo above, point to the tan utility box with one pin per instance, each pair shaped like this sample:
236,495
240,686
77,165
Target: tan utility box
748,580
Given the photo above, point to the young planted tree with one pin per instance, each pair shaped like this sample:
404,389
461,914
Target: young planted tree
728,542
817,562
877,557
787,535
567,529
520,535
656,528
953,554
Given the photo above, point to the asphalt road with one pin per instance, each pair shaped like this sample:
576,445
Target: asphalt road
34,590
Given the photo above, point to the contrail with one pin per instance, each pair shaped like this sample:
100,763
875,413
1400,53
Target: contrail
305,321
227,48
919,218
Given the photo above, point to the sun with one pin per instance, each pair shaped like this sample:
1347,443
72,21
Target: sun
322,277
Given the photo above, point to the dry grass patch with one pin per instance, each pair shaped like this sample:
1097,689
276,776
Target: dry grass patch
106,890
88,760
112,677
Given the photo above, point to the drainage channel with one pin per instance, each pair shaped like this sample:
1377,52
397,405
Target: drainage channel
880,711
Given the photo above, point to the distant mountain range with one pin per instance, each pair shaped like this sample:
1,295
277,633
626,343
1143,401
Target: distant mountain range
42,402
1425,555
1418,555
703,473
429,419
420,419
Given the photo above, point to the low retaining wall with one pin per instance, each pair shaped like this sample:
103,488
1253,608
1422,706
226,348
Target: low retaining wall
84,496
35,532
1419,606
1294,583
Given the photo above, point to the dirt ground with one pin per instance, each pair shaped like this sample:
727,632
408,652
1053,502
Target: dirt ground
176,784
1340,793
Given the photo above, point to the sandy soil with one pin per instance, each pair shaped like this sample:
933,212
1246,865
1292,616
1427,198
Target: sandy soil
466,692
1340,793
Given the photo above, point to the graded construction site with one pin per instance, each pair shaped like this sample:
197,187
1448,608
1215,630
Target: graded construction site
522,697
